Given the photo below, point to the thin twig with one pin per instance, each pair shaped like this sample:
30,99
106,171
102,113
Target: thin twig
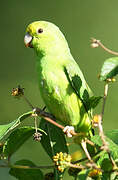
19,92
48,117
112,161
104,99
27,167
89,142
93,166
28,102
101,132
82,167
35,119
83,144
76,166
96,43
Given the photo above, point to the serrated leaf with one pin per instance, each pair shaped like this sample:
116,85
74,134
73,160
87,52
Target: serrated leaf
97,140
109,68
112,146
25,173
54,141
113,135
5,129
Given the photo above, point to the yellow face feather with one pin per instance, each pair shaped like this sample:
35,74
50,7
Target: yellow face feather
33,28
44,36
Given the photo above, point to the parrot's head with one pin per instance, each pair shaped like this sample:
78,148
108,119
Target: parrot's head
44,37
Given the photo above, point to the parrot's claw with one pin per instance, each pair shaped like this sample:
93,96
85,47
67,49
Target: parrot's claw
69,130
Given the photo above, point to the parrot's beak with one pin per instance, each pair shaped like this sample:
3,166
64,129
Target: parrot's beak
27,40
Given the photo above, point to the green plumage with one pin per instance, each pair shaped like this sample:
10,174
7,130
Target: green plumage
61,82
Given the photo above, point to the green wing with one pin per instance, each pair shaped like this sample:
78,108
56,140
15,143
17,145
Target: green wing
80,86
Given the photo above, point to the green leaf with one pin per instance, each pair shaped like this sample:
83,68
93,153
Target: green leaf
106,165
114,176
83,175
112,146
102,155
97,140
5,129
106,176
107,168
25,173
109,68
17,138
54,142
113,135
25,115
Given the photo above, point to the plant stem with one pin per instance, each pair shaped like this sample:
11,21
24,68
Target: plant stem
76,166
26,167
83,144
101,132
48,117
88,165
104,99
28,102
97,42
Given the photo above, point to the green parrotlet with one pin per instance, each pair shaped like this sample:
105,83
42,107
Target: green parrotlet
61,82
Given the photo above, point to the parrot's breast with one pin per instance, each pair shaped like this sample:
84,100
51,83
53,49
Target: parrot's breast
60,98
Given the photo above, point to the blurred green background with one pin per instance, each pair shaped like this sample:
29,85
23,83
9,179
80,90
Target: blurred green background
79,20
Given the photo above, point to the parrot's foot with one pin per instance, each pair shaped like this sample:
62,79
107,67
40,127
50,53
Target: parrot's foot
69,131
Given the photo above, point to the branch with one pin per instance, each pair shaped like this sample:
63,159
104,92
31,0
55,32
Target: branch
26,167
50,118
104,100
101,132
96,43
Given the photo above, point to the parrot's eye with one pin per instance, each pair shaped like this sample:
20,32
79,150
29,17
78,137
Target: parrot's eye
40,30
